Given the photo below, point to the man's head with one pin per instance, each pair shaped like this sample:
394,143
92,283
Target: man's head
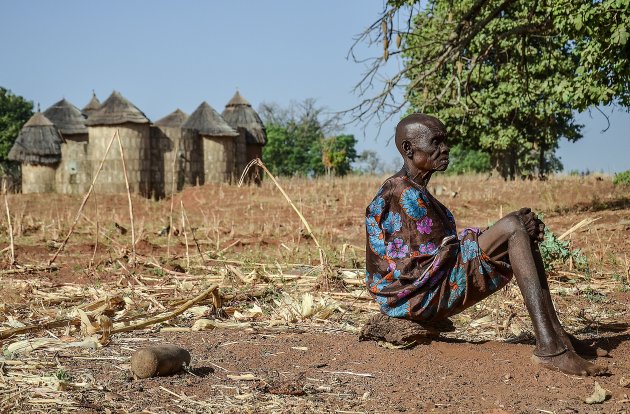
421,140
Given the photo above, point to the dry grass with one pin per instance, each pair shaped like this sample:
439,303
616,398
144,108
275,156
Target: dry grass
250,243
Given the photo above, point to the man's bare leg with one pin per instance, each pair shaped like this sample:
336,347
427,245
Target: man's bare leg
499,248
569,340
553,347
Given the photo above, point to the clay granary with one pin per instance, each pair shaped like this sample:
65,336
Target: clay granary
62,149
38,149
74,172
240,115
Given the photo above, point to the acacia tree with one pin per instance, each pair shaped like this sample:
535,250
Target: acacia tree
14,112
297,143
505,76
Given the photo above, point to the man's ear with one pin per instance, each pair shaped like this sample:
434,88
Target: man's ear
406,146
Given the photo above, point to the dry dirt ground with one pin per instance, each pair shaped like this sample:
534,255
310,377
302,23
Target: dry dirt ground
282,337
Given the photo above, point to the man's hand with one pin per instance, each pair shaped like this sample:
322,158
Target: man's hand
534,226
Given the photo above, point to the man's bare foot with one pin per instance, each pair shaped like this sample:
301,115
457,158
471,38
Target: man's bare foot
570,363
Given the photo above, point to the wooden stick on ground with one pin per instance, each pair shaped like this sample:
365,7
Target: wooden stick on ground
85,199
7,333
133,232
170,315
6,205
586,222
28,269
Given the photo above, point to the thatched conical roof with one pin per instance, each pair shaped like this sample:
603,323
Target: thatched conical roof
39,142
207,121
91,106
117,110
240,114
174,119
66,117
238,100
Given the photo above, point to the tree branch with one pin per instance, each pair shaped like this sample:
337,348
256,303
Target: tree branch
383,105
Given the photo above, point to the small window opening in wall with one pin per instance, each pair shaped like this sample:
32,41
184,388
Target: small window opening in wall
73,168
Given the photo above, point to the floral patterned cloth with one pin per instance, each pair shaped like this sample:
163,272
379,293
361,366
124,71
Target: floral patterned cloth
416,266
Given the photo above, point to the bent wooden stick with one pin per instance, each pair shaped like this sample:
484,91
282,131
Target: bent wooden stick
6,205
257,161
133,232
170,215
85,199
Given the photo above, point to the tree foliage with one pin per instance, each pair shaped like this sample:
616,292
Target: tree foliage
466,161
506,76
622,178
301,141
338,152
14,112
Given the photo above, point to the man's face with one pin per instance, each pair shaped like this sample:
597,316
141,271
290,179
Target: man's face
430,149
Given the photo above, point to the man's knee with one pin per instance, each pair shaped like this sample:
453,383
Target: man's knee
514,225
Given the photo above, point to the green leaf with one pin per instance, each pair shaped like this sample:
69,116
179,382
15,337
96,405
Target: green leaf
622,35
578,22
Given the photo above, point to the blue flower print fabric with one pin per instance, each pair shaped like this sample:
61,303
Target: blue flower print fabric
416,266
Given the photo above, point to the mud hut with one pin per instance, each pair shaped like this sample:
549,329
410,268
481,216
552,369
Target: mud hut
38,149
240,115
218,140
74,173
169,160
117,113
91,106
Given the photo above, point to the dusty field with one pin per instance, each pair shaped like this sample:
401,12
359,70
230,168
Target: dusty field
284,337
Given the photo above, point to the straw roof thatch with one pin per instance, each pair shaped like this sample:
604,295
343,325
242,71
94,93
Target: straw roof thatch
239,113
66,117
207,121
39,142
174,119
91,106
117,110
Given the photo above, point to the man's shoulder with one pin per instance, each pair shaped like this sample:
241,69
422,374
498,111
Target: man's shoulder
384,188
394,186
390,191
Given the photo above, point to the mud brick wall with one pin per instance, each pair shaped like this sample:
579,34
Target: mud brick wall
38,178
165,145
241,152
136,143
74,174
192,157
219,157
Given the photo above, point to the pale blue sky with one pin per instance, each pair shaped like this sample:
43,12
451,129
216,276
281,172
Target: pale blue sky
163,55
